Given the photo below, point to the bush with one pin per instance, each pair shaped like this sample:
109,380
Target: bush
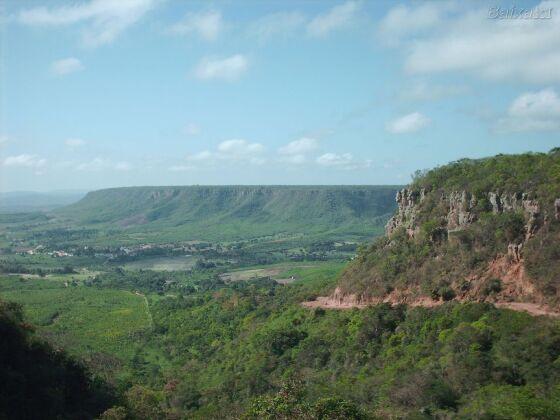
492,286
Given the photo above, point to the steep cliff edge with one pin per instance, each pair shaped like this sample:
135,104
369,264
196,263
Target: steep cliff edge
474,230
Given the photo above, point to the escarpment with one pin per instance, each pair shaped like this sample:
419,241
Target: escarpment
486,230
461,210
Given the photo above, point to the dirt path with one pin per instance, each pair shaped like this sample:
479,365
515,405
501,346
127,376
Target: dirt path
148,312
531,308
329,303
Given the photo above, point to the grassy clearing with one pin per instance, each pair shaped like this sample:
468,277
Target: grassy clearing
283,272
179,263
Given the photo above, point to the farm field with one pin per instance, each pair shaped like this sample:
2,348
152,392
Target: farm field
183,262
283,272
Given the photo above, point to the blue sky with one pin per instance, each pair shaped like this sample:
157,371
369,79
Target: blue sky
101,93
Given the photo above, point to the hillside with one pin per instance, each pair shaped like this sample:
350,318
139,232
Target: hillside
473,230
38,381
206,212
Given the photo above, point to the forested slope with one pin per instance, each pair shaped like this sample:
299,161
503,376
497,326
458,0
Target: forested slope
202,212
37,381
484,230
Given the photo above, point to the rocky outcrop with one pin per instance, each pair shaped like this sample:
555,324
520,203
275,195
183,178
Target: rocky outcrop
518,202
460,214
514,252
461,210
407,208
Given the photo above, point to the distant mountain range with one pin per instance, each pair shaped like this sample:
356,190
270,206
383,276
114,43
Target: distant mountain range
229,212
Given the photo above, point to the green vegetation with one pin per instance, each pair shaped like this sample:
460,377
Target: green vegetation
40,382
538,173
436,262
234,212
88,321
251,350
248,349
199,314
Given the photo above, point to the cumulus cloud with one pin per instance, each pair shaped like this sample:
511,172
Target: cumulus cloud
533,111
333,159
233,151
404,20
101,164
467,41
201,156
241,150
282,24
207,25
25,161
105,19
298,147
227,69
181,168
409,123
66,66
72,143
338,17
344,161
296,151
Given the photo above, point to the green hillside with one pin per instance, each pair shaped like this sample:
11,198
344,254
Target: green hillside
39,381
485,229
231,212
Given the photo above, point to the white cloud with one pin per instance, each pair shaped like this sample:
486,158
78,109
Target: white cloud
24,160
409,123
338,17
72,143
201,156
181,168
106,19
234,151
276,24
206,25
344,161
298,147
66,66
533,111
228,69
241,150
101,164
333,159
526,50
403,20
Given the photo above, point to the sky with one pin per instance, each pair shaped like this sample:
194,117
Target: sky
107,93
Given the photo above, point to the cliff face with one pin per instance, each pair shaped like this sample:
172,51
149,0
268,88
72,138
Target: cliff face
484,230
460,210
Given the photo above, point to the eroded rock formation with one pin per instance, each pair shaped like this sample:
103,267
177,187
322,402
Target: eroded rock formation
460,210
